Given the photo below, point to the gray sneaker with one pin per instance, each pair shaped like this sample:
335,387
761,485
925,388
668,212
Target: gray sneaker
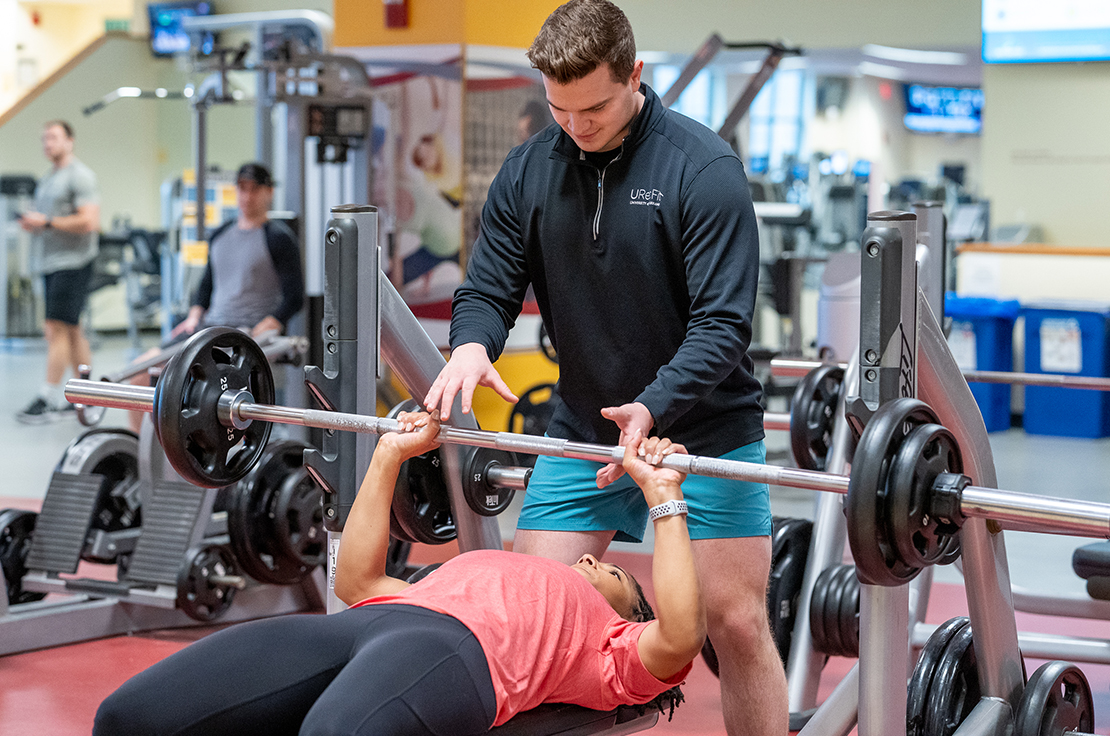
39,412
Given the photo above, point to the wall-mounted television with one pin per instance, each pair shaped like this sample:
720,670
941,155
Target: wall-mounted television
932,109
166,34
1020,31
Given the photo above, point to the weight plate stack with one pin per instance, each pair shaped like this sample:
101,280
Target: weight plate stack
834,612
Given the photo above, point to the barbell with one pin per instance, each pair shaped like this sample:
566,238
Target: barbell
907,497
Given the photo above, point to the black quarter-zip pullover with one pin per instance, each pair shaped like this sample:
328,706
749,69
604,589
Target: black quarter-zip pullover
645,272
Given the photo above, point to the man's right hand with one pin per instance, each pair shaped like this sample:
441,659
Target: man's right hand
468,368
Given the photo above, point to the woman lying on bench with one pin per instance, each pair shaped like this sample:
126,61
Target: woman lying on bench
490,634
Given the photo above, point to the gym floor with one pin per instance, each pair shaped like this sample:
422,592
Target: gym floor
55,692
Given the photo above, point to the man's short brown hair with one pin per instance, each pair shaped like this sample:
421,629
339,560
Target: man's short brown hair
580,36
66,127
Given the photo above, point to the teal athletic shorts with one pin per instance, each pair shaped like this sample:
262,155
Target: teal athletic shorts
563,496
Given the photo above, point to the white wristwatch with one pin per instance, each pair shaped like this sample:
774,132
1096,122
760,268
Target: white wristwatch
670,508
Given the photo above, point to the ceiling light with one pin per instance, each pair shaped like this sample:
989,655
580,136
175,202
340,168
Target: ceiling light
914,56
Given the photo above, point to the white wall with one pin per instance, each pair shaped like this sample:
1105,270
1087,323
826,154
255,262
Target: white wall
665,25
1046,150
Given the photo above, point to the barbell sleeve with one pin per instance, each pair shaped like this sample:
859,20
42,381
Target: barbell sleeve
1046,514
799,368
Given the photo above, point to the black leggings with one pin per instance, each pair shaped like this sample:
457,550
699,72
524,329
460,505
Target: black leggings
386,670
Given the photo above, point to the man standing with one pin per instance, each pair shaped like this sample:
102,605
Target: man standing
635,228
65,222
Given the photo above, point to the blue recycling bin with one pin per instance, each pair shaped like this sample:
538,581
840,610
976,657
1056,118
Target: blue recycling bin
982,338
1069,338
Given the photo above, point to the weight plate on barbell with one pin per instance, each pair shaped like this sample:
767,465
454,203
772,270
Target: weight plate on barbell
198,595
17,528
421,508
421,503
258,520
481,495
1057,700
813,415
186,417
547,346
868,504
919,536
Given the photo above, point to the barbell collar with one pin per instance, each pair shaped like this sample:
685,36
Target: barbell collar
508,477
1047,514
227,408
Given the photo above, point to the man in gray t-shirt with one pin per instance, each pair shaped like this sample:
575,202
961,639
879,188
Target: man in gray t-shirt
64,222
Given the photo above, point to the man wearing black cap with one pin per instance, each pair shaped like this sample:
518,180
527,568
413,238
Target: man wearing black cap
253,279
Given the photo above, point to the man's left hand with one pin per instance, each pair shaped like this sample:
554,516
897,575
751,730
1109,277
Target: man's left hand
630,418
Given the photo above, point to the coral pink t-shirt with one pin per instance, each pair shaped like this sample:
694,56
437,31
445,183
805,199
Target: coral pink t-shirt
548,635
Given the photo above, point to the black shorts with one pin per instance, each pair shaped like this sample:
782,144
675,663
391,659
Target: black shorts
67,292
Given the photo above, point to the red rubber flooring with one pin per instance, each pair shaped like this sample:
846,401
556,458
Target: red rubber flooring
56,692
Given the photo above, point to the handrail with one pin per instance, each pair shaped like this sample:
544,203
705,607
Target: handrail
1033,249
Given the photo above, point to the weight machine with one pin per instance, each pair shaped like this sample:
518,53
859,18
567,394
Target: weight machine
909,494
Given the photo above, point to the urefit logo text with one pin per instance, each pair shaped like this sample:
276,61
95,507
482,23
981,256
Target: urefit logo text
652,197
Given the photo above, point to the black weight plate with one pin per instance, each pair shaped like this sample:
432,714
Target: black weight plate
813,415
186,420
838,584
819,618
920,538
114,454
709,654
924,671
785,582
1057,700
789,550
298,521
533,411
198,596
422,573
547,346
876,557
420,500
847,615
397,558
954,690
481,496
17,528
250,516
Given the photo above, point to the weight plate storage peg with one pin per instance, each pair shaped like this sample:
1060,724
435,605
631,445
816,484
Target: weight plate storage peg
187,407
813,415
16,530
1057,700
870,506
207,581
